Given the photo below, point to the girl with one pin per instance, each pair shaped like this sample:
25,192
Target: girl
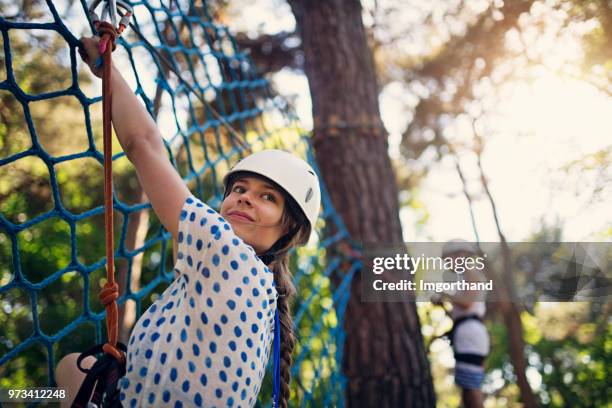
207,339
469,337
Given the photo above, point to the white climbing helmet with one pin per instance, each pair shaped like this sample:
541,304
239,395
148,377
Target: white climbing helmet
288,171
458,245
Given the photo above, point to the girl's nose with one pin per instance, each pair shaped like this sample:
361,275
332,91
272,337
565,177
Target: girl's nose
245,198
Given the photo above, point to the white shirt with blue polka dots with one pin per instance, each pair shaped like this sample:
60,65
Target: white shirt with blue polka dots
207,339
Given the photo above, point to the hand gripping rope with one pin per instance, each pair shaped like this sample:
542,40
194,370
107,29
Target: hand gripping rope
111,367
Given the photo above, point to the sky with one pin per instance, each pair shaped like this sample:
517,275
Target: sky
538,127
541,127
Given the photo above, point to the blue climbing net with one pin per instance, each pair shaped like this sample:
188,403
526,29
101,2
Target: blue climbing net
212,109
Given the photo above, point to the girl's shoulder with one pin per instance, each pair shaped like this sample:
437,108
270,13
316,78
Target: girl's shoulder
200,224
208,243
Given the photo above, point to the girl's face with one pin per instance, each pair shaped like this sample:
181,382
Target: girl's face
254,209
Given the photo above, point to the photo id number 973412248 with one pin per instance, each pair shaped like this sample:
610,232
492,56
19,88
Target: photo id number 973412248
35,394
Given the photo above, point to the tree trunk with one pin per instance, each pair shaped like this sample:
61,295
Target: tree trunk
384,358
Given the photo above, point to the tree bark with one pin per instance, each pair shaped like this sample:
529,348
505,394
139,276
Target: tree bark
384,358
271,52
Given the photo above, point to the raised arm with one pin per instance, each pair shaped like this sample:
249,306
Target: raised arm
142,142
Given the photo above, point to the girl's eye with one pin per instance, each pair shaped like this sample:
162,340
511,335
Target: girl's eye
238,189
268,196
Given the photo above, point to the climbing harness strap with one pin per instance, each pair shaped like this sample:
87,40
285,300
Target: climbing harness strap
276,391
106,372
451,333
470,358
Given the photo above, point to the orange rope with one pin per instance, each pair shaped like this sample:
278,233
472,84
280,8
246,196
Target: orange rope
110,292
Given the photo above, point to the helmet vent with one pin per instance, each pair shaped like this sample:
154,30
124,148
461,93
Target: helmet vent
308,195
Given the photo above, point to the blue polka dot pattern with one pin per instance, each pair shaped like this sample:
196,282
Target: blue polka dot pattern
212,328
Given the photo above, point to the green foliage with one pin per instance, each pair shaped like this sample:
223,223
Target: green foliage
574,364
569,354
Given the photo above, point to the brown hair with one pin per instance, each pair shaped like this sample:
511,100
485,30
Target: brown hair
286,290
298,230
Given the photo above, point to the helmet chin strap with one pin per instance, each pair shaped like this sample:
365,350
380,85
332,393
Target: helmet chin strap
266,258
270,255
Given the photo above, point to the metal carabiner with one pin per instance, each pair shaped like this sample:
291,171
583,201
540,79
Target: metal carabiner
112,9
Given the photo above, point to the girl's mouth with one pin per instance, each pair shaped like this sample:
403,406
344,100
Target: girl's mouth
239,216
